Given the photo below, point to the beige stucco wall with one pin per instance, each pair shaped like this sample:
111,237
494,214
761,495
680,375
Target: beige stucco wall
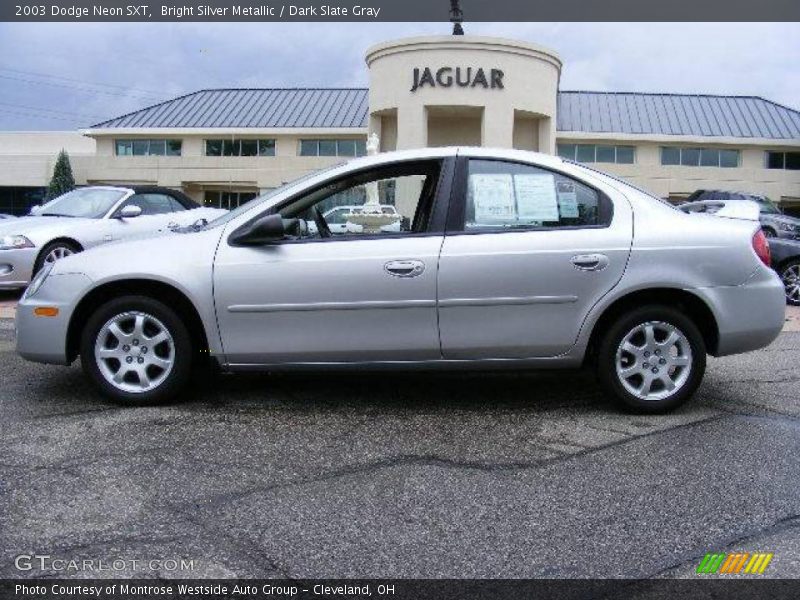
664,181
27,157
530,82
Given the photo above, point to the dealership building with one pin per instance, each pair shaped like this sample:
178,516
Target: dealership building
224,146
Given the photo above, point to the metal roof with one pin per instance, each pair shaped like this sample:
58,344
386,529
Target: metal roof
676,114
340,107
578,111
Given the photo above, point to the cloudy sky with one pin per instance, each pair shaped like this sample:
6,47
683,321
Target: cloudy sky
67,76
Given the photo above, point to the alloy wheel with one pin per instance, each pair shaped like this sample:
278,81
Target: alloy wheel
134,352
791,282
654,360
57,253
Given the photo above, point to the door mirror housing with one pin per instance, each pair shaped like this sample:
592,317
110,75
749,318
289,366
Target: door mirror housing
264,230
129,212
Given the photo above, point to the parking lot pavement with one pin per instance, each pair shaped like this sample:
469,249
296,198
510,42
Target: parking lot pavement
403,475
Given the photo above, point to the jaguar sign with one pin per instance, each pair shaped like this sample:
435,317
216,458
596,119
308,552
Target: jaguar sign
465,77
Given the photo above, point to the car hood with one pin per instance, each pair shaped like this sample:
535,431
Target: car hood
166,256
785,219
25,225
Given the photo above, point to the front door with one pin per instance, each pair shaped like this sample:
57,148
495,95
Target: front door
532,252
357,294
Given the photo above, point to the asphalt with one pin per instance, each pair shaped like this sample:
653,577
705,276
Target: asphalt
402,475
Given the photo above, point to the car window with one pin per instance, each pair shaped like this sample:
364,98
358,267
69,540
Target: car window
503,195
151,203
90,203
175,205
390,200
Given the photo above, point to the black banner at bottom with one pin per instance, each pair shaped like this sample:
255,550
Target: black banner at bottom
399,589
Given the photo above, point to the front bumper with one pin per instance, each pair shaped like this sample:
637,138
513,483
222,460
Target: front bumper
44,339
749,316
16,267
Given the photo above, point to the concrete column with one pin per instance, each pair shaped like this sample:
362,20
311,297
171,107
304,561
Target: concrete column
498,127
412,127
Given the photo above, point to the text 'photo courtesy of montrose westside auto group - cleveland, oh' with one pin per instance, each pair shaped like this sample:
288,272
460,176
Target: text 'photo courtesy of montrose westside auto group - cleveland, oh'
421,300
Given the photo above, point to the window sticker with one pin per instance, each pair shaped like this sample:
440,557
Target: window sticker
536,197
493,197
567,200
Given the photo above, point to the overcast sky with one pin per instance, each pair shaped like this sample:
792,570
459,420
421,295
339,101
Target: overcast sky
67,76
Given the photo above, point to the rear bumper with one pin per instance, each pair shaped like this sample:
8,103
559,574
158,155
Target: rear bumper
16,267
749,316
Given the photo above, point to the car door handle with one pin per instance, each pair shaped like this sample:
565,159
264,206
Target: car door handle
404,268
590,262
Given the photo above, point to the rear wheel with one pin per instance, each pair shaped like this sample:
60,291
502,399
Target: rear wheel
54,251
790,276
137,351
652,359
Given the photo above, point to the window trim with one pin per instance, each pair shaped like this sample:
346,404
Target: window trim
616,147
442,200
699,150
456,218
149,141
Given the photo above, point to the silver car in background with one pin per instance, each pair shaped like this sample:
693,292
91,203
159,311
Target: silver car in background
87,217
505,259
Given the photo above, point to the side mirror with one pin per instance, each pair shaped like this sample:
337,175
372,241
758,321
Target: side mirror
264,230
129,212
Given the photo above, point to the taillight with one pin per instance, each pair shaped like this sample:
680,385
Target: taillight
761,247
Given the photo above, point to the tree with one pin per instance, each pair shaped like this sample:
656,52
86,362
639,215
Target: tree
62,181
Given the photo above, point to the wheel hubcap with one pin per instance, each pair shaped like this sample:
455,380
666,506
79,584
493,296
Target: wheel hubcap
57,253
791,283
654,360
135,352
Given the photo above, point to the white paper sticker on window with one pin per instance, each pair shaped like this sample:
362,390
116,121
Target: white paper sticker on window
536,197
567,200
493,197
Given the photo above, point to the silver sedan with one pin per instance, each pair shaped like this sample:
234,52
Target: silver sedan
87,217
504,259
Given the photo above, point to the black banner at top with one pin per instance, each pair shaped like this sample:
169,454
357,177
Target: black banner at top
398,10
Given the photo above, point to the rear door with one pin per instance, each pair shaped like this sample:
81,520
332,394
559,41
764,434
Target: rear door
527,253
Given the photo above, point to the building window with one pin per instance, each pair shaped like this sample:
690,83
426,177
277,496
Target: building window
240,147
226,200
783,160
332,148
600,153
699,157
149,147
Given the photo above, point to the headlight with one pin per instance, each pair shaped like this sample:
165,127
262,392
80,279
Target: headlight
787,227
37,281
14,242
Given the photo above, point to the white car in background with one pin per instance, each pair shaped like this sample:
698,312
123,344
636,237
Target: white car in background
338,223
87,217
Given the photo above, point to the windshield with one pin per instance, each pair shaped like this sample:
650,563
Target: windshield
259,200
620,180
88,203
768,208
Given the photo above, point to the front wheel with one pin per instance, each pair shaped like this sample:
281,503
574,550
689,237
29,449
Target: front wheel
651,359
137,351
54,251
790,276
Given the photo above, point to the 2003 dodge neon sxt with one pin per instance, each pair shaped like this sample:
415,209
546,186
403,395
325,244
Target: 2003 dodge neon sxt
497,259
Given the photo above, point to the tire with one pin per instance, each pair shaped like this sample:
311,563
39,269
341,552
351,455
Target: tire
53,251
142,341
683,363
790,276
769,232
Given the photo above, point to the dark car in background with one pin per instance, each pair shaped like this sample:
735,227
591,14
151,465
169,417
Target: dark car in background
774,223
786,261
